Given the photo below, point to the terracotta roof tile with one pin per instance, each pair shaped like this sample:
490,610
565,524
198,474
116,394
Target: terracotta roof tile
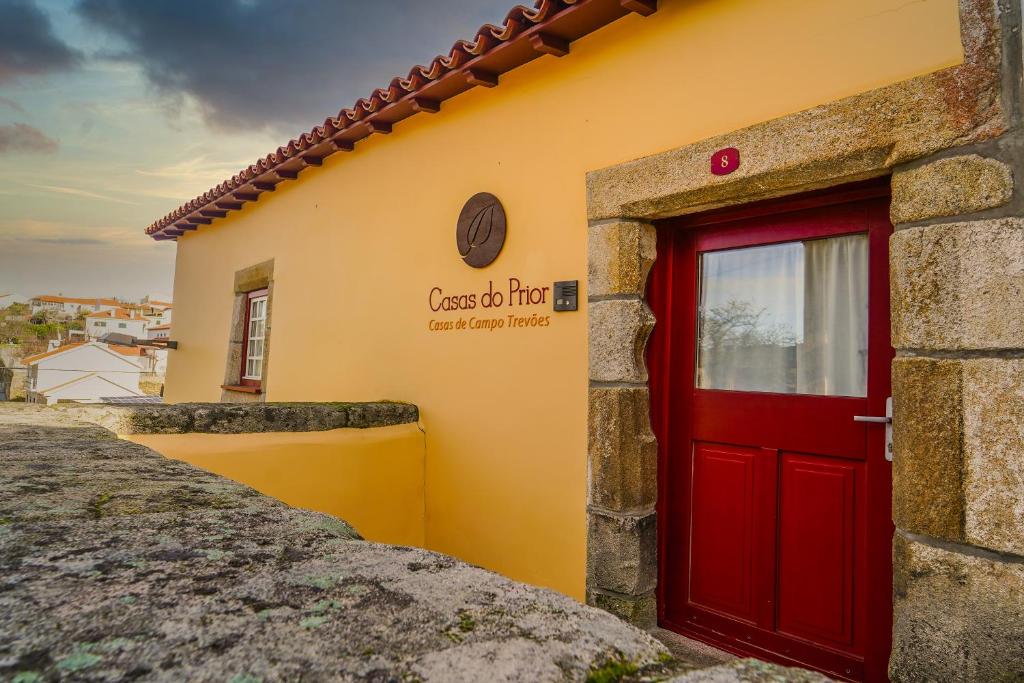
53,352
77,300
527,33
117,314
125,350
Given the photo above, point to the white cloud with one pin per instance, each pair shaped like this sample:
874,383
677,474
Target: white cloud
49,256
55,232
78,192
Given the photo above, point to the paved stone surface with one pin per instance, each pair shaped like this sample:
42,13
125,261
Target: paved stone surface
692,651
749,671
221,418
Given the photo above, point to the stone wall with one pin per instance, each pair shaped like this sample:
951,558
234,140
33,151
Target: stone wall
952,142
118,564
957,262
6,378
622,560
244,418
12,372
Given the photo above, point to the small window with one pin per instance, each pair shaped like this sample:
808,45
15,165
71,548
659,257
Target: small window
122,325
255,338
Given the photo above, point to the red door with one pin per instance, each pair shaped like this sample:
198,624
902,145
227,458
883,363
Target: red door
775,509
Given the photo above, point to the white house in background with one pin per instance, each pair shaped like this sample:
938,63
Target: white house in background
155,303
68,305
119,320
159,357
163,316
157,311
83,373
162,331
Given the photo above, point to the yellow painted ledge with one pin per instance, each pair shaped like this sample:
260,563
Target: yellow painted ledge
372,478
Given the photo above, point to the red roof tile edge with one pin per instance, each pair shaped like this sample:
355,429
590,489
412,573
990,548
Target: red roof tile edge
404,97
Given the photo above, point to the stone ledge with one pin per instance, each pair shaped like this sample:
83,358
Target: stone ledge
232,418
117,564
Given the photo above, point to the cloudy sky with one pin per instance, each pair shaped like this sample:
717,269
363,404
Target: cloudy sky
114,112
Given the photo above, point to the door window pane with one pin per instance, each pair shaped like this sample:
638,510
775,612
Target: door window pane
787,318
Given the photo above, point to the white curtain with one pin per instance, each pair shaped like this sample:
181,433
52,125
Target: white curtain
832,360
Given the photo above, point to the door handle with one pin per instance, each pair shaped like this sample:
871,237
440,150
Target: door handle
885,420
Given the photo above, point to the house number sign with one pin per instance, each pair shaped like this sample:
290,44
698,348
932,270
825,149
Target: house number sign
725,161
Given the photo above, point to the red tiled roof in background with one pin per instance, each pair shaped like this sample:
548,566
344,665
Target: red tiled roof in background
122,350
126,350
28,360
118,314
76,300
527,33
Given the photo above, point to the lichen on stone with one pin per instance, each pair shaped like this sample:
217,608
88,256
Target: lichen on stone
125,565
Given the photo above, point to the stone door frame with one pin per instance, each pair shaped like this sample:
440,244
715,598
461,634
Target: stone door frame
907,129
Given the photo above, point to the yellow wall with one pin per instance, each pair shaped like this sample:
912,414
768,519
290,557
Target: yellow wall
359,243
372,478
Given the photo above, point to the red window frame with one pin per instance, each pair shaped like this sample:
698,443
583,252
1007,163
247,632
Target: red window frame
242,379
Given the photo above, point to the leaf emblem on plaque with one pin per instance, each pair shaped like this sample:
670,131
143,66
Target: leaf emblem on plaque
480,231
